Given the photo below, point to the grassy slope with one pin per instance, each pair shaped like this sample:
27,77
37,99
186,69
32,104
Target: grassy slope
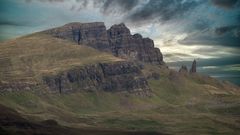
27,58
181,104
11,123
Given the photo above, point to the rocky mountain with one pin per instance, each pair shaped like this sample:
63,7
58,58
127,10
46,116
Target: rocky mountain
88,69
117,40
84,79
117,76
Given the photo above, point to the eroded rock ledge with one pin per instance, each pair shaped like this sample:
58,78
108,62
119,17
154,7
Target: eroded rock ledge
114,77
117,40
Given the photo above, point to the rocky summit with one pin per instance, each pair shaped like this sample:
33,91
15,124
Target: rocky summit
118,40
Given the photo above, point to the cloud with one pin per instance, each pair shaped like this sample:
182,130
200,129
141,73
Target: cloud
13,23
222,61
177,54
170,17
163,10
106,6
125,5
235,29
225,36
225,3
46,0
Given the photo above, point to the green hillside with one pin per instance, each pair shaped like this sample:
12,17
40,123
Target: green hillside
29,57
180,103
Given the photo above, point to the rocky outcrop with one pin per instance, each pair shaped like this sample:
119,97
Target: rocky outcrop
135,47
117,76
91,34
16,86
194,67
183,69
117,40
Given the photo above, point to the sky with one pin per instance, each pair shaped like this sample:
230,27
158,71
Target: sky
205,30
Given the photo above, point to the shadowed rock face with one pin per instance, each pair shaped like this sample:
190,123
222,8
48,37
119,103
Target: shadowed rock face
194,67
135,47
117,76
183,69
117,39
91,34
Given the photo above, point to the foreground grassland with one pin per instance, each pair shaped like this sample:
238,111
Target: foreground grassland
180,103
185,107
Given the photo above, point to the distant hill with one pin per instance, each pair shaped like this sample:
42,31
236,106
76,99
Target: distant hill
62,76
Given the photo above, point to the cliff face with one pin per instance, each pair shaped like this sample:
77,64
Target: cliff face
117,76
91,34
117,39
135,47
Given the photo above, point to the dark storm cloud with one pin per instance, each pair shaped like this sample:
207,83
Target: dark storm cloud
200,24
176,54
220,61
105,5
124,4
17,23
235,29
225,3
196,24
225,36
163,9
46,0
12,23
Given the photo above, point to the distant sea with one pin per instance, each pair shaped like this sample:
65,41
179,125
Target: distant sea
229,73
231,78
